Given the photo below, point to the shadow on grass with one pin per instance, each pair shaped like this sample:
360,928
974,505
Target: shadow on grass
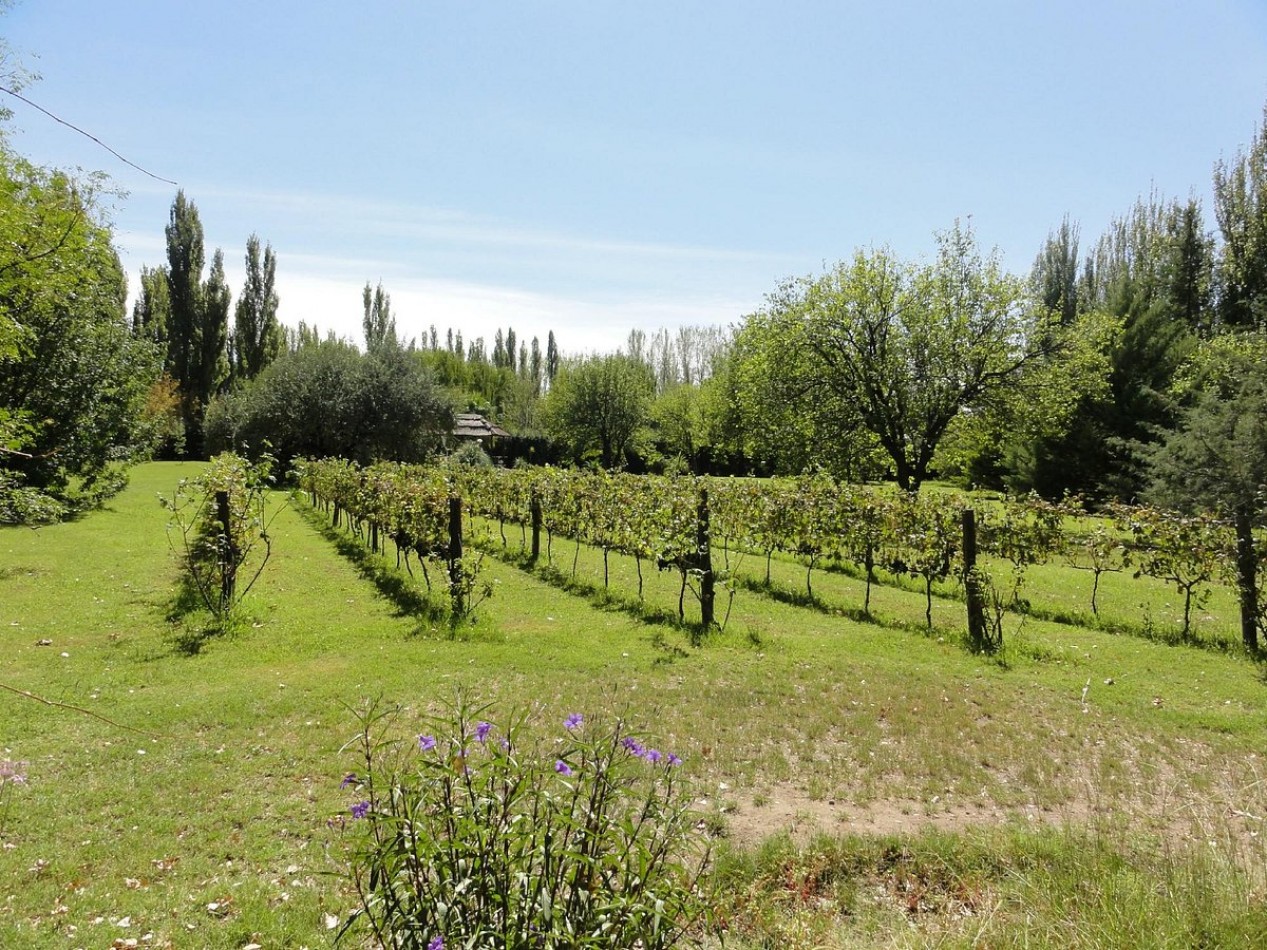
799,598
607,599
1167,635
389,581
192,625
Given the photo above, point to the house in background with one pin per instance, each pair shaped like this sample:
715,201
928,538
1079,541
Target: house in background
472,427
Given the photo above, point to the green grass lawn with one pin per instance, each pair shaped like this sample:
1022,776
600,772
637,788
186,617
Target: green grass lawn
198,815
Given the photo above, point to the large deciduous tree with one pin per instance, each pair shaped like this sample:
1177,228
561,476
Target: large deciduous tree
257,336
599,405
911,348
73,379
787,421
326,398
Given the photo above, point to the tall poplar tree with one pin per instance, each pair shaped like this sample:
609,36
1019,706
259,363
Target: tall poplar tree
377,321
552,357
257,336
198,327
185,259
1240,204
213,334
152,311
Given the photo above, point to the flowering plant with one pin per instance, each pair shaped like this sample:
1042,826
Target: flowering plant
471,836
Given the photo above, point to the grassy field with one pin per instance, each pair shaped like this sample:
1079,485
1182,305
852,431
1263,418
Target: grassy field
870,783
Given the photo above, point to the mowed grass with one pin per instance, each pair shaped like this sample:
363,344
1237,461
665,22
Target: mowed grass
212,828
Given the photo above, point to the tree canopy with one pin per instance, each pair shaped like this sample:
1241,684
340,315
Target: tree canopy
327,398
906,349
599,405
74,381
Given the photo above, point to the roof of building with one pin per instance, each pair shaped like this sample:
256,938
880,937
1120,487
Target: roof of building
471,425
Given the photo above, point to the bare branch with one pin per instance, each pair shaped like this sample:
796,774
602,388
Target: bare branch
72,706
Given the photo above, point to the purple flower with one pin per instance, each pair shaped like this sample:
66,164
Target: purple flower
349,779
563,768
426,743
674,760
360,809
574,721
652,755
632,745
481,730
435,943
11,772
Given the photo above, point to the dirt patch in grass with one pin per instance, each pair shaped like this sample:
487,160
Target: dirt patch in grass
786,809
1168,810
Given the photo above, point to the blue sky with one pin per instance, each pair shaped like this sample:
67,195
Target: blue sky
590,167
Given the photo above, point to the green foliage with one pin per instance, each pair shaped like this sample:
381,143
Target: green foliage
469,455
1186,552
412,506
1216,458
1149,281
906,349
378,322
73,380
599,405
326,398
152,312
474,836
1240,204
198,330
786,419
219,530
257,336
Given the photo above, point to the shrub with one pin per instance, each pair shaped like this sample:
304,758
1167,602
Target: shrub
471,836
469,455
223,532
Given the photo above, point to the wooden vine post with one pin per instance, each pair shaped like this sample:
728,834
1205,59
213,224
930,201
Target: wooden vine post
705,561
1247,579
455,556
534,506
978,635
229,554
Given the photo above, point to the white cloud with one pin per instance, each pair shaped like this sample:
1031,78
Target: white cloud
579,325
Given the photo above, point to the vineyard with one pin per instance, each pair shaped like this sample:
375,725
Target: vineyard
984,553
951,789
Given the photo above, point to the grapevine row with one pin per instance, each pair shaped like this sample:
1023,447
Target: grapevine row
656,519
